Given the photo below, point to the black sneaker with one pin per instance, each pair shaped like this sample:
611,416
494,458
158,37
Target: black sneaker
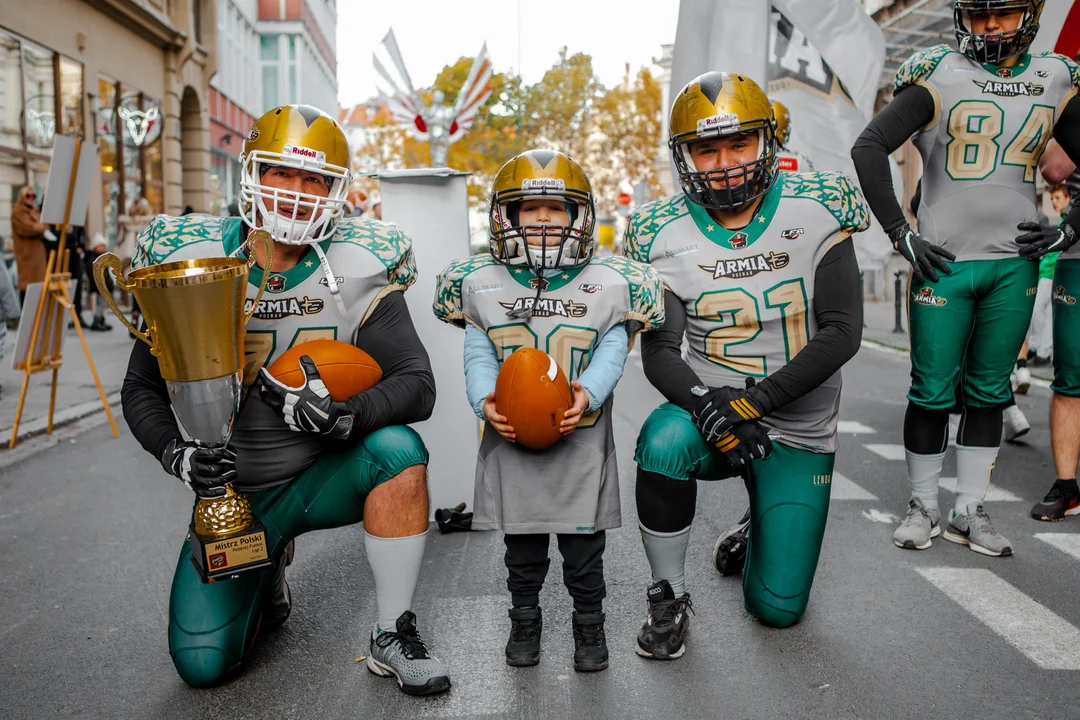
278,604
729,553
99,325
523,647
661,637
1060,502
590,643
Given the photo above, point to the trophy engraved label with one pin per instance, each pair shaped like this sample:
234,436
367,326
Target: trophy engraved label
195,318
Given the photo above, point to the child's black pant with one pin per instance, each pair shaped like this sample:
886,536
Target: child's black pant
583,568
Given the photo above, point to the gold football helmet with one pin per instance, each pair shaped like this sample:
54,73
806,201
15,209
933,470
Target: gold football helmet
302,137
718,104
541,173
993,48
783,122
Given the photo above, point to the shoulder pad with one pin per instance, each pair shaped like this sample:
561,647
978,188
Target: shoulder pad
919,66
385,241
644,223
836,192
447,303
646,290
1074,69
166,234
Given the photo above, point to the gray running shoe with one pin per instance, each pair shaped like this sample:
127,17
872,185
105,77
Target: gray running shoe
917,527
975,531
402,654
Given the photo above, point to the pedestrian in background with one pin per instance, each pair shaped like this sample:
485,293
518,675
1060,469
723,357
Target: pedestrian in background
9,306
1041,336
28,235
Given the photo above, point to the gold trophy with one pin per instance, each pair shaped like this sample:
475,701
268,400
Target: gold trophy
195,318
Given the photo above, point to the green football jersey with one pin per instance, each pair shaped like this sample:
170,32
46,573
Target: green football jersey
981,150
749,294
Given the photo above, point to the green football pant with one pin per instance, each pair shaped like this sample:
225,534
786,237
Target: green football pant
212,625
966,331
789,504
1066,289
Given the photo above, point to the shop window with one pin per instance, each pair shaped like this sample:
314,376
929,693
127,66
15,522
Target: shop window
39,113
11,101
71,94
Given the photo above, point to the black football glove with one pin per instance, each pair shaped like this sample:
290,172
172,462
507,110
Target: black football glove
719,410
925,257
745,442
205,469
1043,239
307,408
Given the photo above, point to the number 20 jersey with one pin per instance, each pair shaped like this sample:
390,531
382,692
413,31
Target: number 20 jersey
749,294
981,151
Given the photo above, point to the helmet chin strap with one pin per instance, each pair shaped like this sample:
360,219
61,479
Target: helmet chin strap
331,281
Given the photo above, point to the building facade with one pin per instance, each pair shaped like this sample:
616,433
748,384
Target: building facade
131,76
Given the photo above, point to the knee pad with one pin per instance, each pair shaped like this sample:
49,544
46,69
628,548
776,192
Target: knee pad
392,449
664,505
785,543
665,441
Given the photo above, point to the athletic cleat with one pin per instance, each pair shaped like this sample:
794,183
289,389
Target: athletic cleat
975,531
278,604
661,637
403,655
523,647
590,642
1021,380
1015,424
729,552
917,527
1059,503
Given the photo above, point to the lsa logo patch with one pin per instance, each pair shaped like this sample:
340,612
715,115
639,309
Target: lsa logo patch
275,283
791,233
739,240
1042,73
926,296
590,287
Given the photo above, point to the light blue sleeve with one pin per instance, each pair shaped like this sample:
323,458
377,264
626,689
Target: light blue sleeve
606,366
481,367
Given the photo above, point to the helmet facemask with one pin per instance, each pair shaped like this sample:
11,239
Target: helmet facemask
757,176
261,205
560,247
995,48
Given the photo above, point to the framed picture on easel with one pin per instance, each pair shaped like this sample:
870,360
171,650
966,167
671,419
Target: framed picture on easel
53,323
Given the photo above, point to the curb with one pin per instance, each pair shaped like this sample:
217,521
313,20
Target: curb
65,416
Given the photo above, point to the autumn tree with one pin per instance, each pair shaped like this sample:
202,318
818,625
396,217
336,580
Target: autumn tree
558,108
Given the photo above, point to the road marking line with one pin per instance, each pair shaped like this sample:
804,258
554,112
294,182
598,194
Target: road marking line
889,452
1043,636
993,493
855,428
844,489
1068,543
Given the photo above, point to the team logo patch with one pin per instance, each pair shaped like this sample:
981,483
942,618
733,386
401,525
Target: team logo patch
747,266
254,134
548,307
1005,73
275,283
1042,73
326,283
926,296
590,288
217,561
740,240
1009,89
277,308
1062,297
539,282
791,233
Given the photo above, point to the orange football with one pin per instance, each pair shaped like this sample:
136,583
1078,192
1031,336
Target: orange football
346,370
532,393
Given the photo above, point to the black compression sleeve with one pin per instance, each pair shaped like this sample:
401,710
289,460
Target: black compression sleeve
1067,130
145,401
838,309
661,356
911,110
406,393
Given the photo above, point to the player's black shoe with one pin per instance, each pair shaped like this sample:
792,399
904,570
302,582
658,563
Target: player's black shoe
523,647
729,553
661,637
1060,502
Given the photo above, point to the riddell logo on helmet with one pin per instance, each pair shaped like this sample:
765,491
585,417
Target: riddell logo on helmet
718,122
292,151
543,184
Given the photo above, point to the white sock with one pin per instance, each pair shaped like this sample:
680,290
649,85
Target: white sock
667,556
974,466
923,472
395,563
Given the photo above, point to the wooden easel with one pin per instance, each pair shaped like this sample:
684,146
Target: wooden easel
55,289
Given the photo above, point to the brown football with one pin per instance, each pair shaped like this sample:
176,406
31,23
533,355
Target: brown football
532,393
346,370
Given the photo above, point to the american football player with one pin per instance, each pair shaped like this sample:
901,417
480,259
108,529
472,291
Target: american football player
760,276
541,287
980,118
306,461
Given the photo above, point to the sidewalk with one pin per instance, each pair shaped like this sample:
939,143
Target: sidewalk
76,394
880,320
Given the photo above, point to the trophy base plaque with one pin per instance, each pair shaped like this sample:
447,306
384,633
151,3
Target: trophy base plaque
222,558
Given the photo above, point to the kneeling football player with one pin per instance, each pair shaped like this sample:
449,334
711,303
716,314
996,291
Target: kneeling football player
540,287
760,276
305,461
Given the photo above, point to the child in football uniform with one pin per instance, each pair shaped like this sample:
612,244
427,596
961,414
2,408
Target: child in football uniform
541,287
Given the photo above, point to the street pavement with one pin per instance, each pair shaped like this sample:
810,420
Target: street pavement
90,527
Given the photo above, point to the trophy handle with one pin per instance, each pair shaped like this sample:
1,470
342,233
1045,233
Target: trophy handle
267,241
102,265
